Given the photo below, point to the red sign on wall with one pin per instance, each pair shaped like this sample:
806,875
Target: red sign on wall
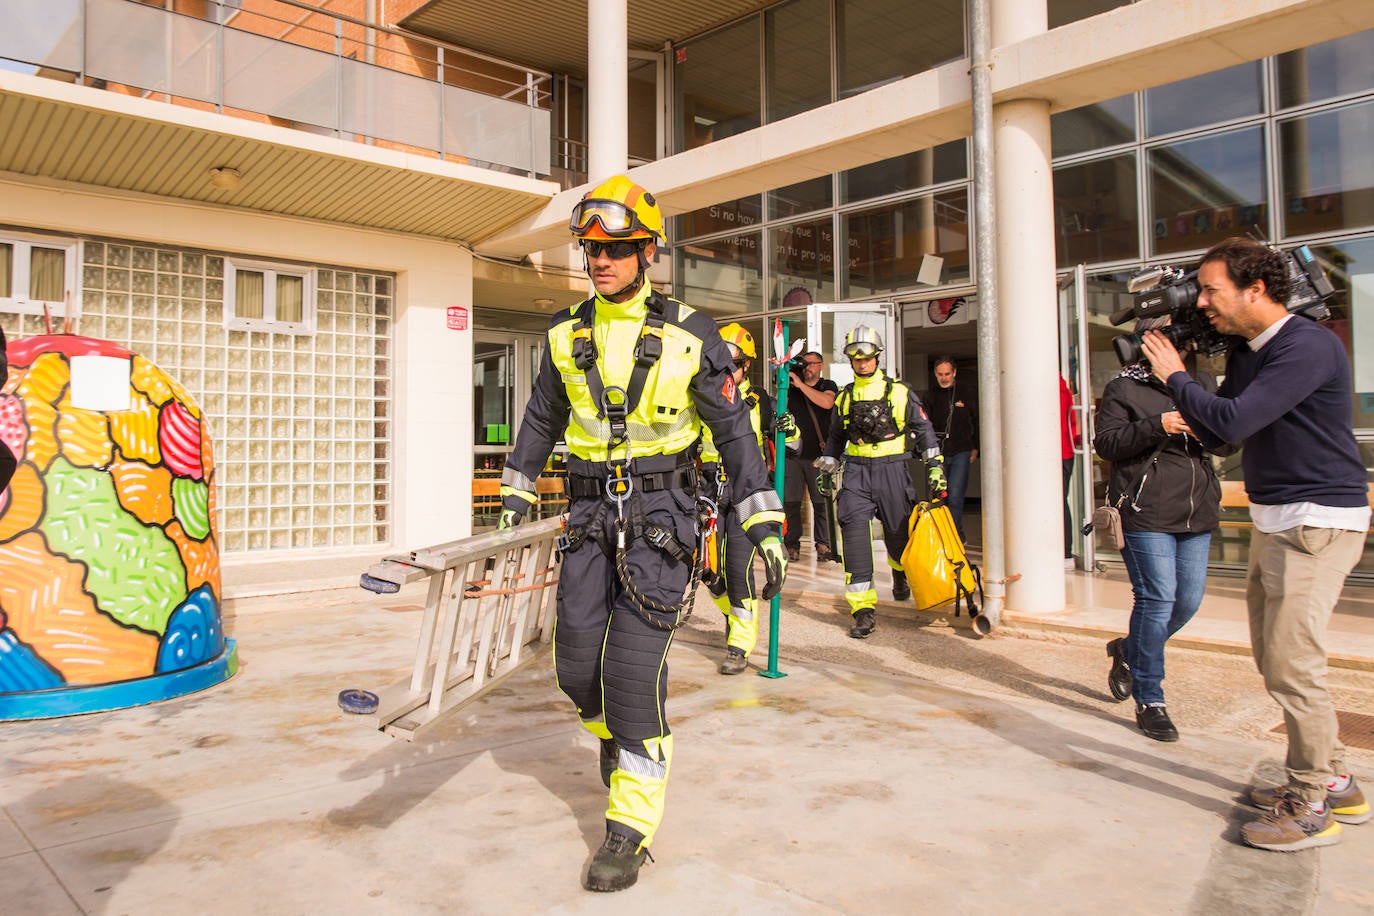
457,318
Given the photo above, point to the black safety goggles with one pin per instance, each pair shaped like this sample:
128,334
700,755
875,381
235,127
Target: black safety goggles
617,251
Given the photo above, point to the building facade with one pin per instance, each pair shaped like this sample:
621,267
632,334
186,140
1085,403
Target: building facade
344,228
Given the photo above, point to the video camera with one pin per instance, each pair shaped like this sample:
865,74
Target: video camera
1170,291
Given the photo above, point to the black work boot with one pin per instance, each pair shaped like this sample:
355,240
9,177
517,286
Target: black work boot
901,589
616,864
734,661
864,624
610,759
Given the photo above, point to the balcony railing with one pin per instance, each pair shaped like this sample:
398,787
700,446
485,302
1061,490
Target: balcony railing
300,67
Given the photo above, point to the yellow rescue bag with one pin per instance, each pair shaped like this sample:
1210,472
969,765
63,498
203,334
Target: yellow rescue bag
935,563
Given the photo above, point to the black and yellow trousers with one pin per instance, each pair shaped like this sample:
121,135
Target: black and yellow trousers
611,656
735,595
873,487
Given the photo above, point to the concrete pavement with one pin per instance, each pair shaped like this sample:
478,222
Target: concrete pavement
921,770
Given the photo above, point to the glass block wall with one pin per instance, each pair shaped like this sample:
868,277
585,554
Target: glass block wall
301,424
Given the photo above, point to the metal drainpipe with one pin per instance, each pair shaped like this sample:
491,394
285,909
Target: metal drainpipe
989,362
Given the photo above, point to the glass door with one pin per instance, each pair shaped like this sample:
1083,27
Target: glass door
827,325
1073,366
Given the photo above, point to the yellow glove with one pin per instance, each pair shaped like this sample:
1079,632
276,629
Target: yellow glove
936,476
509,519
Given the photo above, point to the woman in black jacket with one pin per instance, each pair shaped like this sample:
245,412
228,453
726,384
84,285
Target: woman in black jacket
1163,483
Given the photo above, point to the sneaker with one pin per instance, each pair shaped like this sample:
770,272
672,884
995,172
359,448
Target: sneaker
610,759
1154,721
864,624
616,864
901,588
1291,826
734,661
1069,564
793,554
1348,806
1119,680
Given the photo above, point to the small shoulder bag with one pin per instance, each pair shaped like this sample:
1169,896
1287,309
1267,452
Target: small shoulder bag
1107,517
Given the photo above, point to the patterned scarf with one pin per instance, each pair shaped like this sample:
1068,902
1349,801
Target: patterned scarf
1136,372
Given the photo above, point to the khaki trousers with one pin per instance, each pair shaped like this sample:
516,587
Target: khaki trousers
1294,580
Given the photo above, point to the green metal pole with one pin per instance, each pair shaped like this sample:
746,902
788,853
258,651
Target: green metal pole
779,477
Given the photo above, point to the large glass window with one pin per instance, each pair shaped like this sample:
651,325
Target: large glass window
1204,190
716,85
1327,169
1326,71
797,41
816,194
883,40
885,247
722,276
937,165
1211,98
1350,266
1095,214
728,216
1081,130
802,262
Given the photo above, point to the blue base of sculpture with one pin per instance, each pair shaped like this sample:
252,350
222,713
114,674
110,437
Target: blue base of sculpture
72,701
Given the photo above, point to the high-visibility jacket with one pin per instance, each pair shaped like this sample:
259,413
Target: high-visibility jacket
688,385
903,414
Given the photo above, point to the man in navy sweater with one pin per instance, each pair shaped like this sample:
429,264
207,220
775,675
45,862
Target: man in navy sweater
1287,399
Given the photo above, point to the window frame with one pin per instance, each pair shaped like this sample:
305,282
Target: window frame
270,270
21,270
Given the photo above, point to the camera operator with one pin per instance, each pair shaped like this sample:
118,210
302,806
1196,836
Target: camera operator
810,402
1287,398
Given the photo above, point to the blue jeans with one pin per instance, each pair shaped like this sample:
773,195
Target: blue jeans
1168,576
956,474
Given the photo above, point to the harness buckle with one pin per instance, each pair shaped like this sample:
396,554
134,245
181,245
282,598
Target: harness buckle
615,406
657,536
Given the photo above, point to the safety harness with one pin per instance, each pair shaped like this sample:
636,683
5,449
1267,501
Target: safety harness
868,421
623,477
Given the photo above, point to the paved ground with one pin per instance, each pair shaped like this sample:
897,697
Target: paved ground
921,770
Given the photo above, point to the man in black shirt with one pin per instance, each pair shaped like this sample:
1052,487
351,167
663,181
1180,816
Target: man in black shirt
954,414
809,401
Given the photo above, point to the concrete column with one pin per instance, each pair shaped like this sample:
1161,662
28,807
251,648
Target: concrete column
608,86
1029,345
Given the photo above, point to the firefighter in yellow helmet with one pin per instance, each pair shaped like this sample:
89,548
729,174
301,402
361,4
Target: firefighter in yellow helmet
874,414
732,584
627,380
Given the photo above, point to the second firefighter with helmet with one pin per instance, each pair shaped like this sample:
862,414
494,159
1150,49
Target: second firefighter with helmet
732,586
627,380
874,417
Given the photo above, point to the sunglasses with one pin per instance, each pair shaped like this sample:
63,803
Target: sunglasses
617,251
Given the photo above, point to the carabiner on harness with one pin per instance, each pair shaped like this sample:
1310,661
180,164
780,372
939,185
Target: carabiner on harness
619,487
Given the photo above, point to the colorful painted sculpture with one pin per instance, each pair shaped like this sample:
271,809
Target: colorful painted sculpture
109,563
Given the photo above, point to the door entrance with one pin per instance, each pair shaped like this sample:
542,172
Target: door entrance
1074,368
